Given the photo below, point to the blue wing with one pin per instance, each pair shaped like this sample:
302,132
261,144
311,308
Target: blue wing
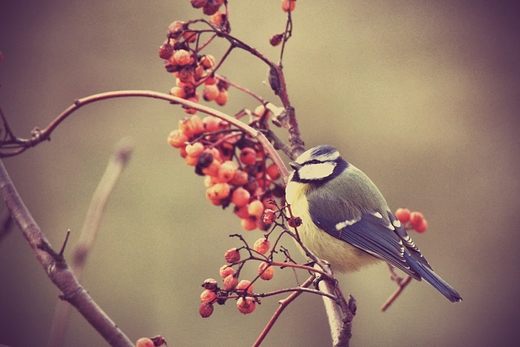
380,235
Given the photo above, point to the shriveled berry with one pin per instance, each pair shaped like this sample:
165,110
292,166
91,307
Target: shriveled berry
232,255
210,124
226,270
211,7
265,271
403,214
276,39
262,245
175,29
198,3
206,309
210,284
166,50
182,57
246,305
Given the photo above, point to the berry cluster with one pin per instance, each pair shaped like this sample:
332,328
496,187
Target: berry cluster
235,167
190,68
412,220
231,287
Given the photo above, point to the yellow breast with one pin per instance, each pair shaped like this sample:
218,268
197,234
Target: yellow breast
341,256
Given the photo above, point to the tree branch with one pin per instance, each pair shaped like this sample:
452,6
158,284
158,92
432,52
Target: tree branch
56,268
115,167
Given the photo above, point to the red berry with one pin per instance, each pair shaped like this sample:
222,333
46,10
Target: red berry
232,255
207,61
269,216
240,197
205,309
182,57
166,50
198,3
416,219
403,214
288,5
241,211
222,97
248,223
273,172
227,171
422,227
248,156
144,342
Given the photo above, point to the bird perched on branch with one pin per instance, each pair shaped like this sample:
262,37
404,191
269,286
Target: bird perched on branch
346,220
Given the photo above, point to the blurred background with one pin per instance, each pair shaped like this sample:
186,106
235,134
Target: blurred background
422,95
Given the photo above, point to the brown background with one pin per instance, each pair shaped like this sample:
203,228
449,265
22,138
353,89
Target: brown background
422,95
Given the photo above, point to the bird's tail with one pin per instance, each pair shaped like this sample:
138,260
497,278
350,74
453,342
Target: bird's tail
432,278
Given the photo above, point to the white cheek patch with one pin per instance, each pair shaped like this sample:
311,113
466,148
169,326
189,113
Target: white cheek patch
316,171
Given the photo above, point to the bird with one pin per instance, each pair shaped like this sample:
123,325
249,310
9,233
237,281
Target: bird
346,221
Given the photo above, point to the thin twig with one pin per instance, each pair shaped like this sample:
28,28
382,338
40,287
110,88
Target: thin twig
5,223
57,269
283,304
115,167
395,295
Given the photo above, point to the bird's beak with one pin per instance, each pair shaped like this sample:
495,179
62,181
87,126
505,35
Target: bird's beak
295,165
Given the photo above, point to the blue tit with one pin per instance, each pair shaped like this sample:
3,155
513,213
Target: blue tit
347,222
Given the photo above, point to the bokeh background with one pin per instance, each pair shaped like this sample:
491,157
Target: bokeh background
422,95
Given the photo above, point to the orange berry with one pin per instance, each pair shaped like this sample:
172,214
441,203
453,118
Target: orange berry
191,125
232,255
206,309
265,271
217,18
416,219
207,295
256,208
241,212
210,92
177,138
182,57
288,5
218,191
248,223
422,227
210,124
248,156
246,305
273,171
194,149
189,36
244,286
210,80
190,160
209,181
208,61
230,282
222,97
269,203
227,170
178,92
262,245
226,270
240,197
144,342
403,215
239,179
211,169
